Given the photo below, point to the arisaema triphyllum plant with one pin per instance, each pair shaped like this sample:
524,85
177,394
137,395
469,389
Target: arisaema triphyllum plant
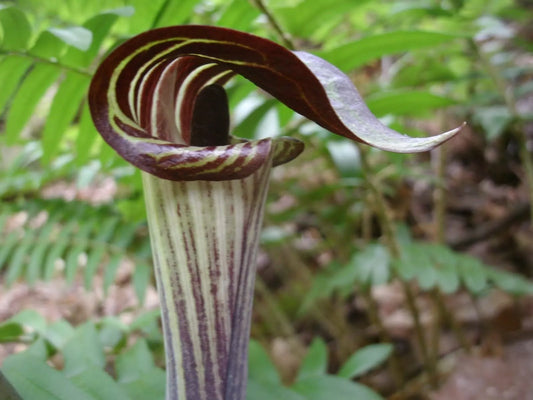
158,100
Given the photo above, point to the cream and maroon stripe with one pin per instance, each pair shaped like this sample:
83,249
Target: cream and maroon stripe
127,78
150,125
205,236
143,93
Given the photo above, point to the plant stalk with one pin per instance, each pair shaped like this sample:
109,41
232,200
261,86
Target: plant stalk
440,201
285,39
517,124
386,224
204,237
393,361
42,60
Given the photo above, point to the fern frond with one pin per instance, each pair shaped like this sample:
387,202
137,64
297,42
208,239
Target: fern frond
33,63
56,235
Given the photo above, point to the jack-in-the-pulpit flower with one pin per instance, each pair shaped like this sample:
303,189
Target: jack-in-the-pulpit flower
158,100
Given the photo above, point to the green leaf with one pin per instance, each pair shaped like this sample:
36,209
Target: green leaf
270,391
99,385
364,360
112,333
145,14
75,36
29,94
315,362
238,15
285,114
81,245
247,128
432,265
509,282
404,102
48,46
125,234
238,90
16,30
346,158
18,259
445,264
12,69
8,244
87,174
72,259
314,18
357,53
64,107
493,119
38,349
35,265
151,386
418,9
10,331
260,366
176,12
125,11
95,258
333,387
83,350
412,261
58,248
148,324
86,136
422,71
59,333
31,319
34,379
105,232
372,265
473,274
134,363
426,274
99,26
110,270
141,279
324,285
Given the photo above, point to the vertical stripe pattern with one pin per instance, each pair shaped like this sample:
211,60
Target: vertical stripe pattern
205,236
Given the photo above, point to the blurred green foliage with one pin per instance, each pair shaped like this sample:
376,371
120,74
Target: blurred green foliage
420,64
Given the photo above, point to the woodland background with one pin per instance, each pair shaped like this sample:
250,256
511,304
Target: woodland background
381,275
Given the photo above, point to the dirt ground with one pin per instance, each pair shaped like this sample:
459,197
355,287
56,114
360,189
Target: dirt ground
493,371
506,376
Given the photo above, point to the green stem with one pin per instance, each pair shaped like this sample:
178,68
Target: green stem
42,60
279,320
393,362
160,13
386,224
439,194
440,200
435,336
452,321
287,42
